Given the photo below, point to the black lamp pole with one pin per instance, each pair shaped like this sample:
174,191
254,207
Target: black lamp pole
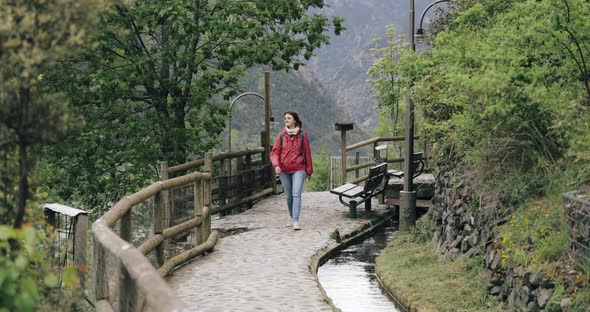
407,217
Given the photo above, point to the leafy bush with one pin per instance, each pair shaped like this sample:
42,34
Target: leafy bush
553,246
321,168
29,281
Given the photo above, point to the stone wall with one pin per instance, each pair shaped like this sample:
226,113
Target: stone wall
461,229
458,230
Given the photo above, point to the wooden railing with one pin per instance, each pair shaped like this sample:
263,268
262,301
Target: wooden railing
239,178
374,142
125,279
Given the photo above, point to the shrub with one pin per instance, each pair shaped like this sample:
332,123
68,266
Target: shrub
29,280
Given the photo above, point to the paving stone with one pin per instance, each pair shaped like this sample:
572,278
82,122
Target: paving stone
267,267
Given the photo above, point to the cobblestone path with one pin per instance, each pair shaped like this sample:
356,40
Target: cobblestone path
266,267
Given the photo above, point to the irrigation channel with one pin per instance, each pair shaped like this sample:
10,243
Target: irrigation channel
349,277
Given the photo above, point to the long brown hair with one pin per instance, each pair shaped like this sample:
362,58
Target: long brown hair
298,122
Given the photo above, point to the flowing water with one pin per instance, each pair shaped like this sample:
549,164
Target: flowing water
349,278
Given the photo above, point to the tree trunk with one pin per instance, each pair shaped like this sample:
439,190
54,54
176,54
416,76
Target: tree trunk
23,190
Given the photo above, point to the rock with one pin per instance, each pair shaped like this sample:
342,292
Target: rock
457,241
518,271
496,263
467,228
453,253
522,298
472,252
547,283
496,290
526,279
536,279
457,203
543,296
473,239
532,307
459,211
564,304
464,245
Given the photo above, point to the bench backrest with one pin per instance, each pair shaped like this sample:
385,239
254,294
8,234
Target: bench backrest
375,178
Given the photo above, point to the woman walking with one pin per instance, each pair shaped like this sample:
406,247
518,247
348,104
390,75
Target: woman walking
291,160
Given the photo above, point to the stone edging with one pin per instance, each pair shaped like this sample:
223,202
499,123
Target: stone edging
331,249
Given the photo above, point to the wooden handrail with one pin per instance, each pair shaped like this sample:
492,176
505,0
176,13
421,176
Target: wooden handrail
221,156
140,270
373,140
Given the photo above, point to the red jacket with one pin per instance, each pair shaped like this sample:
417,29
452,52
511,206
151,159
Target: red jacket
289,156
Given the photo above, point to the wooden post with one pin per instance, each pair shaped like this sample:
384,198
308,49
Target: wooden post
199,204
101,284
222,188
127,292
159,225
126,231
239,185
165,199
376,153
357,160
165,194
80,238
343,127
206,225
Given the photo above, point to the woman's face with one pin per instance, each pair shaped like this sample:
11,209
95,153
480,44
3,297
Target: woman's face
289,121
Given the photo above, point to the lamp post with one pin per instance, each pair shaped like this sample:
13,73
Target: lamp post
407,217
230,108
420,30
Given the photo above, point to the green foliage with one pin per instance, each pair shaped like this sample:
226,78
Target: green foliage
389,83
503,90
321,167
28,278
153,84
535,234
553,246
34,35
423,230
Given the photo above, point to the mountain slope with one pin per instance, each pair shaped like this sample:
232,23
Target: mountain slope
343,65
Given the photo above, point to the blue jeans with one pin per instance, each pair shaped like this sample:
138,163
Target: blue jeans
293,185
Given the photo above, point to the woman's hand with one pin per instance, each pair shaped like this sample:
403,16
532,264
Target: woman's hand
278,170
308,178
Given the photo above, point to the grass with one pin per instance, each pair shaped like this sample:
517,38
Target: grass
419,279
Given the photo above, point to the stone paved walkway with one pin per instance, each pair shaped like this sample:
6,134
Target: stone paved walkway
266,268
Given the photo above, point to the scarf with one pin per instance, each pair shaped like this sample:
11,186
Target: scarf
292,132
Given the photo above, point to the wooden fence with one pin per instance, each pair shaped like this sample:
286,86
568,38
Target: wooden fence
391,157
126,280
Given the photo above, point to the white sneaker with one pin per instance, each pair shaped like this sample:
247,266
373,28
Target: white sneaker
296,226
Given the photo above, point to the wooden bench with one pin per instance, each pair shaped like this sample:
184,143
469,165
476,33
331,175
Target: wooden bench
375,184
418,167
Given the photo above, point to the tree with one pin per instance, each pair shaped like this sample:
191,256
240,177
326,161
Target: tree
33,36
153,85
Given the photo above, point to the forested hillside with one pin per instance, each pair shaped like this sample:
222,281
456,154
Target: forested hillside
298,91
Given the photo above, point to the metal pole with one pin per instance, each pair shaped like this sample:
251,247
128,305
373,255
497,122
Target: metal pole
407,217
231,105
